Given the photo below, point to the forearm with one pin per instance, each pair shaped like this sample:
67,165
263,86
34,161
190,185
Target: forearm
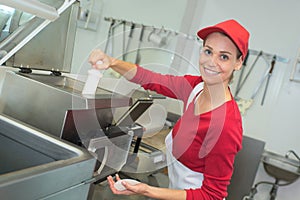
126,69
165,193
100,60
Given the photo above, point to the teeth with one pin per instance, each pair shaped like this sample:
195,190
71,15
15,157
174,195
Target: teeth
210,71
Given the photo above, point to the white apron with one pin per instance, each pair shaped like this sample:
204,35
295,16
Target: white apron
181,177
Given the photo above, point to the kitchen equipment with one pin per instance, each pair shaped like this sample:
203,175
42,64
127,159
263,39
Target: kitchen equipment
245,104
246,164
138,54
52,103
268,79
15,21
87,121
4,16
129,41
108,44
35,7
94,131
2,53
47,99
22,45
58,93
284,169
36,165
124,40
157,38
153,120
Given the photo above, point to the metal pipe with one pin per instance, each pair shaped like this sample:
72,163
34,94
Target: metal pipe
292,152
139,25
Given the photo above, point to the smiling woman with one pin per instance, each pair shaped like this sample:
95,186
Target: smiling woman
203,143
219,58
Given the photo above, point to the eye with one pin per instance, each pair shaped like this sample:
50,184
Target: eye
224,57
207,52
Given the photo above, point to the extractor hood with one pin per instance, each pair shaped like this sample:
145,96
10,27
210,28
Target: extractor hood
28,19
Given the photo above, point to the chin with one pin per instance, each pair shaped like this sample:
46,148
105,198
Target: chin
216,80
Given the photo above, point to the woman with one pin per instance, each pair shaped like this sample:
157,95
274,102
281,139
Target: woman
202,145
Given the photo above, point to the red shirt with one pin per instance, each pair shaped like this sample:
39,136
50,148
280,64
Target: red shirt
205,143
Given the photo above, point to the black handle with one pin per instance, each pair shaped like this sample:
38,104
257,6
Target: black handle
272,64
142,33
131,30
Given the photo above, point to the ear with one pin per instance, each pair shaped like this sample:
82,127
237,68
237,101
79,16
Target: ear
238,64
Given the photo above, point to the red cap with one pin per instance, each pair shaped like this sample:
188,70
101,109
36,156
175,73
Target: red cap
238,34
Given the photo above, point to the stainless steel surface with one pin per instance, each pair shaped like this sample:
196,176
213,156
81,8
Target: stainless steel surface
143,166
35,165
42,100
150,158
281,167
246,164
110,144
35,7
57,51
57,42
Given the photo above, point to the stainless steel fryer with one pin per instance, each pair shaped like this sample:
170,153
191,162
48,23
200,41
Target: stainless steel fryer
36,165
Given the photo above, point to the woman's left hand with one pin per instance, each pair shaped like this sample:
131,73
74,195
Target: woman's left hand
139,188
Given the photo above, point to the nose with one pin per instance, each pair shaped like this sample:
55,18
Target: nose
214,60
211,60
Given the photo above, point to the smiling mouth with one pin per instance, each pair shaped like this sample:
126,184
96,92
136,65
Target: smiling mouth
210,72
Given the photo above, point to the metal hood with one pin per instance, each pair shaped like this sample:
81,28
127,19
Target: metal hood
32,29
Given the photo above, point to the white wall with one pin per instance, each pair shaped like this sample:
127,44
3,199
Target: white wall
150,13
274,28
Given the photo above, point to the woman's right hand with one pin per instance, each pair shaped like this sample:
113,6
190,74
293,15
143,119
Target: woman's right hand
100,60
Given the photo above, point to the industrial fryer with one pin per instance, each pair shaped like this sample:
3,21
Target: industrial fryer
55,141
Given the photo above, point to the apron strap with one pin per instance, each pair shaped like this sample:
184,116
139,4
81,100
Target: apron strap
194,92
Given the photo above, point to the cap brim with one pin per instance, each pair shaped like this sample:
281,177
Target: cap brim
203,33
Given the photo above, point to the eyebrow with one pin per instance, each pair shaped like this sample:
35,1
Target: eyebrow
226,52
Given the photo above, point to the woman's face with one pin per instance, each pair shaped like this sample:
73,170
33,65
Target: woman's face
218,59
